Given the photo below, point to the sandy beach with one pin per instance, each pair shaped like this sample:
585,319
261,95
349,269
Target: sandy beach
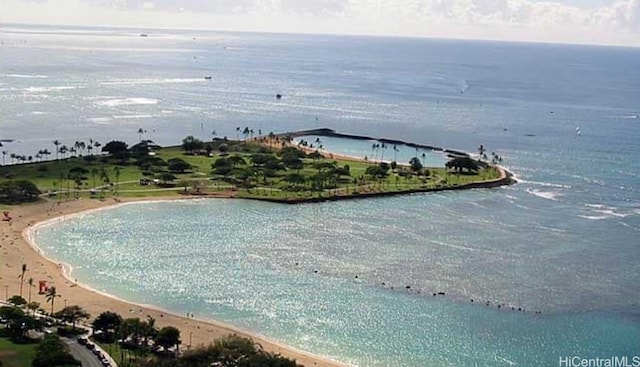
16,250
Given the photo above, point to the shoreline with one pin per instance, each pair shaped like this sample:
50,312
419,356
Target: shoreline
19,246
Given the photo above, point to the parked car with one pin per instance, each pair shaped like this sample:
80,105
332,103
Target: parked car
82,341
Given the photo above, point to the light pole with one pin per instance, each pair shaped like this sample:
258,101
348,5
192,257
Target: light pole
6,292
190,335
65,303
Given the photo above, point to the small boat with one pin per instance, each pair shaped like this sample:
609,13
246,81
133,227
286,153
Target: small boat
144,35
207,77
278,96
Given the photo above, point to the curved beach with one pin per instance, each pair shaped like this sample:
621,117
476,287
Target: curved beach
18,249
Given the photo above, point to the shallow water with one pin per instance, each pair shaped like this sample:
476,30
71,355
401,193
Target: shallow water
254,265
563,241
364,149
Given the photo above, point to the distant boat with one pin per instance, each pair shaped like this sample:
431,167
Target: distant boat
578,131
144,35
278,96
207,77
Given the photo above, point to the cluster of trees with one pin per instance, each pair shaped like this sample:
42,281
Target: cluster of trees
17,192
231,351
463,163
78,148
263,165
142,339
18,323
136,336
53,352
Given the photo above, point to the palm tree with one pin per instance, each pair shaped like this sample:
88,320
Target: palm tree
51,296
481,150
245,132
24,270
63,150
140,132
238,133
57,144
45,152
117,170
4,153
30,283
33,306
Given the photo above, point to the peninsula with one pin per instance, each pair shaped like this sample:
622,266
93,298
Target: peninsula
272,167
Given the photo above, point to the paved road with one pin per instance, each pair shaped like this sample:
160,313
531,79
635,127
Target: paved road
82,354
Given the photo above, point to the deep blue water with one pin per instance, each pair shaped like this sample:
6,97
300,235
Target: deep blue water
563,241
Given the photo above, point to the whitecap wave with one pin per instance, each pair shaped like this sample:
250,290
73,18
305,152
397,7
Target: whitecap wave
594,217
49,89
127,102
545,184
100,120
120,117
151,81
600,211
549,195
26,76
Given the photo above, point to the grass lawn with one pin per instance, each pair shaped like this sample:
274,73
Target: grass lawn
51,176
16,355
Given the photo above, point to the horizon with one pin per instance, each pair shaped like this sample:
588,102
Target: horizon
63,27
592,22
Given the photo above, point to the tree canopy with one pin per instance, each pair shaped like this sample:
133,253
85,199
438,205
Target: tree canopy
107,322
178,165
72,314
115,147
415,164
191,144
16,192
168,337
53,352
461,163
231,351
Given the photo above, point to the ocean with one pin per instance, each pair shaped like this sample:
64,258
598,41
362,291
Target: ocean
561,245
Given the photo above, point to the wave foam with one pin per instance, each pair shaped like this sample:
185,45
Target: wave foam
150,81
127,102
601,211
545,184
100,120
132,117
549,195
49,89
26,76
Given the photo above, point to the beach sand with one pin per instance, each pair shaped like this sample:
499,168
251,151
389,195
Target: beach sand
15,250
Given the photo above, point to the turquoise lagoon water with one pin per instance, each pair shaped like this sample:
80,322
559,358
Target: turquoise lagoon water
363,149
254,265
563,241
